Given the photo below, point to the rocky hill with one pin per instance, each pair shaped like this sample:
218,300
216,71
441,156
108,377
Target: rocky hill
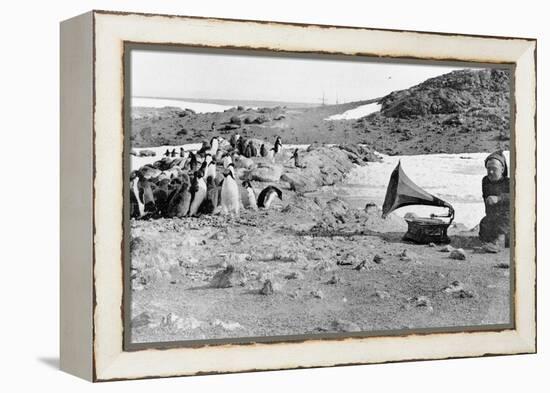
462,111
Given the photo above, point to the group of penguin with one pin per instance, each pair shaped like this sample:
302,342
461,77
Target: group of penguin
189,185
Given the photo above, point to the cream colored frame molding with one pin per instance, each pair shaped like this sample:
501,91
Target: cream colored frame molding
92,182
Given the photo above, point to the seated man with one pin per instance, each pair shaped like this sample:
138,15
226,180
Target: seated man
494,228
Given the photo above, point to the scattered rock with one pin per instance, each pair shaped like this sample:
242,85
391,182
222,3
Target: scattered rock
431,245
458,254
421,301
267,288
334,280
464,294
503,265
236,259
169,321
369,207
454,287
325,265
362,266
348,259
227,278
294,276
227,325
318,294
143,319
382,294
406,256
284,256
187,261
378,259
336,207
342,325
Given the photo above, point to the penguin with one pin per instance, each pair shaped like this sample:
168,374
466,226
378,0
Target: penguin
198,190
234,140
210,170
267,195
162,164
219,155
203,166
142,191
253,150
148,172
249,197
214,144
204,148
182,152
167,153
178,205
173,153
248,151
192,162
136,199
231,167
208,158
162,194
210,203
241,146
226,161
263,150
297,161
278,144
176,163
230,201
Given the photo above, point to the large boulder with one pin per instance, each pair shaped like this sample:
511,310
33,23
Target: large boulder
299,182
267,172
235,120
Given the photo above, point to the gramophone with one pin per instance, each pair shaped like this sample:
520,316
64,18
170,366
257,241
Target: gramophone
403,192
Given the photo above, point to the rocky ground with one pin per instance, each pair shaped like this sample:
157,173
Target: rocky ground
306,267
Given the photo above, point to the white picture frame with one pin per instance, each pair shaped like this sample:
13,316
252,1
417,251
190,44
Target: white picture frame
92,168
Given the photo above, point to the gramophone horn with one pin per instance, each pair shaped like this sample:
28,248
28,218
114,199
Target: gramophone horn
403,192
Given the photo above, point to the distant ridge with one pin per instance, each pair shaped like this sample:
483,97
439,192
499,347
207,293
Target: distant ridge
247,103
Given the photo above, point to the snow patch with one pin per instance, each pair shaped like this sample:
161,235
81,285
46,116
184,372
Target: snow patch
356,113
455,178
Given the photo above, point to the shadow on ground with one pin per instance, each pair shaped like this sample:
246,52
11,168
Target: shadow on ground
52,362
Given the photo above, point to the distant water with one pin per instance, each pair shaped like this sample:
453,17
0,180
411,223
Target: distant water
204,106
199,107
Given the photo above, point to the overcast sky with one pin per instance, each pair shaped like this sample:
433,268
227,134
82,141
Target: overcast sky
174,74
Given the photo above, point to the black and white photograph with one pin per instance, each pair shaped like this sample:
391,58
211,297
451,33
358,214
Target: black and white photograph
279,196
244,196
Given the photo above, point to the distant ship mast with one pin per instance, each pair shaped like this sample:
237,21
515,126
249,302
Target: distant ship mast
323,101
